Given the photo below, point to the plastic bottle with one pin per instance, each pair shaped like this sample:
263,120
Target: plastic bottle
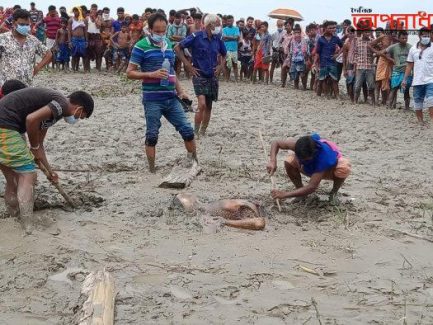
165,66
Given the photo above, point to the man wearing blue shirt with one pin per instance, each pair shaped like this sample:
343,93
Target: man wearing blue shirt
117,24
231,36
205,47
326,51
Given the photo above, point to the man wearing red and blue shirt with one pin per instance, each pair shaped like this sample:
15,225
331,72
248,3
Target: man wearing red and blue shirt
117,24
208,58
161,89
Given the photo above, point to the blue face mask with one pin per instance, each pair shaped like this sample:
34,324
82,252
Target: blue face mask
157,38
72,119
280,30
23,29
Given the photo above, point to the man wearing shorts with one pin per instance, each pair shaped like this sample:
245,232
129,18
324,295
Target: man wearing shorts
231,36
420,60
32,111
324,61
206,46
314,157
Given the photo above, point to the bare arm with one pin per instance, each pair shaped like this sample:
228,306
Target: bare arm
288,144
45,60
311,187
133,73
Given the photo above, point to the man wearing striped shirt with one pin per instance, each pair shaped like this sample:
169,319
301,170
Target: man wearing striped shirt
159,94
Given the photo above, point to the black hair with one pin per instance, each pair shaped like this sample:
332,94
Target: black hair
32,4
305,147
51,8
148,10
16,7
310,27
105,9
347,22
229,17
250,18
178,15
94,5
297,28
379,29
156,17
264,23
197,16
20,14
329,23
12,85
82,98
424,30
135,16
120,9
172,12
402,33
83,9
351,29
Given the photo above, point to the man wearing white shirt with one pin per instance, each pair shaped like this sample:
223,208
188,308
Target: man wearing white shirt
420,59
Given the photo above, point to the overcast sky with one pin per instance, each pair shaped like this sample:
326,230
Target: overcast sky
312,10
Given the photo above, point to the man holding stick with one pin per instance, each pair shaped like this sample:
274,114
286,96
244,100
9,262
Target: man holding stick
32,110
317,158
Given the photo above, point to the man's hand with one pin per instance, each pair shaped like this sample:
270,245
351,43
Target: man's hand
192,70
159,74
271,167
53,177
183,95
218,69
277,194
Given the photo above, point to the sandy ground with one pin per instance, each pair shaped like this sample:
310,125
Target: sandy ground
168,271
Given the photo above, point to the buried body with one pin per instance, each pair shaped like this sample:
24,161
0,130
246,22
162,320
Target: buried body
234,213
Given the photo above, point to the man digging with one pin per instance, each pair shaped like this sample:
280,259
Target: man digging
32,110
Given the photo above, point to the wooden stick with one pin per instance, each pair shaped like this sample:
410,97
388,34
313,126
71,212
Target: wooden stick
413,235
266,157
98,309
56,185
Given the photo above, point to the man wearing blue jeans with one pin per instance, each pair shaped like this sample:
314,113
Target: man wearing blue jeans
420,59
159,94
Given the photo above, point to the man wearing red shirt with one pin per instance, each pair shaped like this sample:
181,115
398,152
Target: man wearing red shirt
52,24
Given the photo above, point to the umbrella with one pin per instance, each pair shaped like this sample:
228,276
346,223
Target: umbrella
285,14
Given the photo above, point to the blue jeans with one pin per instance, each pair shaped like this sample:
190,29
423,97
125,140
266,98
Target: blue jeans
423,96
173,112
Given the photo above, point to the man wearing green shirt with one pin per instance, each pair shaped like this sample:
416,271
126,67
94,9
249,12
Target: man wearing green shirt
398,54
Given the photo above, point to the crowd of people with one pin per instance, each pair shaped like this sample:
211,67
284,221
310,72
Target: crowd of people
372,62
154,48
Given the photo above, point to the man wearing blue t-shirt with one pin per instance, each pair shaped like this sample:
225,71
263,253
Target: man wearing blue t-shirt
230,37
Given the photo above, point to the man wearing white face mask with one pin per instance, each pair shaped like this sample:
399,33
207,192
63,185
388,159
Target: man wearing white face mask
205,47
152,62
18,50
420,59
32,111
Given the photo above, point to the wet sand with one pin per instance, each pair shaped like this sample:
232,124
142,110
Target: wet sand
168,271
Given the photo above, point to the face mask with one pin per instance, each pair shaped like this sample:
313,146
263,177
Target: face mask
425,40
280,30
71,119
257,37
217,30
157,38
23,29
106,16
